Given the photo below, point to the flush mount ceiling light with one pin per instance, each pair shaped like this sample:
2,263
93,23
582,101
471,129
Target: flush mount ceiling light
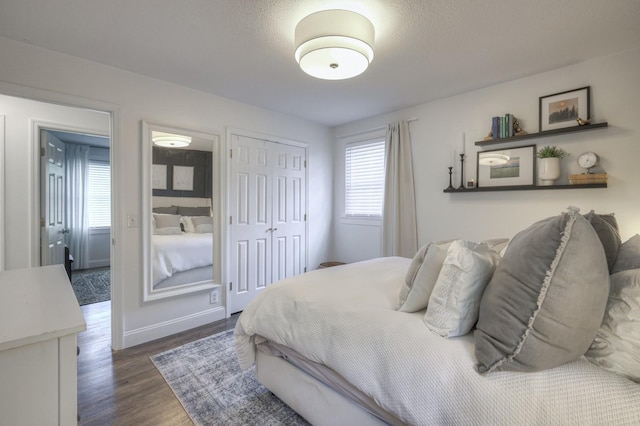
334,44
171,141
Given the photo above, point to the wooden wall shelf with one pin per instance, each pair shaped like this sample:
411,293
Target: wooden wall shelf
524,188
543,134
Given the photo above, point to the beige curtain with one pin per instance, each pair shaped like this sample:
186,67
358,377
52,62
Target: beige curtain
399,228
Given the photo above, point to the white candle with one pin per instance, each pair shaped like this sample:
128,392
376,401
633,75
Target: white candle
463,144
452,156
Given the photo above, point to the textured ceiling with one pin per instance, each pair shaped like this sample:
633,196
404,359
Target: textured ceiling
243,49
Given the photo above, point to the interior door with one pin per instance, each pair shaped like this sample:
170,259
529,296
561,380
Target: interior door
267,203
53,231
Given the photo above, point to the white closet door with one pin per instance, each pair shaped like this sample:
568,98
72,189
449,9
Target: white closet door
52,201
267,203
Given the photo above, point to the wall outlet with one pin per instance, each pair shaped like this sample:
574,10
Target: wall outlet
213,299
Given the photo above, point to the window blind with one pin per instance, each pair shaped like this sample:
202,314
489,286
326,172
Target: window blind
99,203
364,179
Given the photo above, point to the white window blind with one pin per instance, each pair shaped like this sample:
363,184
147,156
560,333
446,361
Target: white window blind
99,203
364,178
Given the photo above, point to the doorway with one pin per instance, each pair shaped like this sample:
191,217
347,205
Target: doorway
75,194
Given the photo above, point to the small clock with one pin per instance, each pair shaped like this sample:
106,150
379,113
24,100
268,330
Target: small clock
588,160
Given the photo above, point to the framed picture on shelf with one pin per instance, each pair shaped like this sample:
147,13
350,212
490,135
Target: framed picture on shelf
563,109
507,167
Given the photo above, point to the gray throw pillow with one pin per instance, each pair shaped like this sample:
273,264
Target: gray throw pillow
166,210
608,235
194,211
628,255
546,299
617,345
166,224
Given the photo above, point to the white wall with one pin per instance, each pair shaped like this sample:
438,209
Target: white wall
35,72
615,94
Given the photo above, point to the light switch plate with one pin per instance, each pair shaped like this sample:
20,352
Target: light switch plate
132,221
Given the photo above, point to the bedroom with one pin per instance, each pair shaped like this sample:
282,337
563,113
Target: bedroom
133,97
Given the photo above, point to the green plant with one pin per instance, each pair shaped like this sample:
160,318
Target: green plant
552,152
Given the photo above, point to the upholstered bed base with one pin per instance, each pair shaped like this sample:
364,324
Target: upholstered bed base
313,400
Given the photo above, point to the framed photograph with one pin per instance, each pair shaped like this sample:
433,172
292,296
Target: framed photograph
507,167
563,109
182,178
159,176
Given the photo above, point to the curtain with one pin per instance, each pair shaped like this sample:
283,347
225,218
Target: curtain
77,211
399,225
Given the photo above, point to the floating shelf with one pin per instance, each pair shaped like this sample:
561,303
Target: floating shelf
524,188
543,134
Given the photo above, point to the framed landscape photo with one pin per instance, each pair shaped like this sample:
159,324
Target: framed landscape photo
561,110
507,167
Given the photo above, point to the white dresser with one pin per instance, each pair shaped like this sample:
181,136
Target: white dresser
39,321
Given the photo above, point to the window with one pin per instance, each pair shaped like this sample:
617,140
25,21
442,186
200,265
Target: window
99,194
364,178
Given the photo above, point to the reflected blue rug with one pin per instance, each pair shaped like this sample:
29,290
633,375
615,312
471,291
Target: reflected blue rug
207,380
91,285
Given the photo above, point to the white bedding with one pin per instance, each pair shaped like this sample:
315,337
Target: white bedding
177,253
344,318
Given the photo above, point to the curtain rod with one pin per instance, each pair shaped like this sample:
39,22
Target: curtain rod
375,129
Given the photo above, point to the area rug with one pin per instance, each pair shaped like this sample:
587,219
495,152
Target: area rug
206,377
91,285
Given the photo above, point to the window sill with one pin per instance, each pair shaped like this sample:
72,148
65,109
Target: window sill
361,221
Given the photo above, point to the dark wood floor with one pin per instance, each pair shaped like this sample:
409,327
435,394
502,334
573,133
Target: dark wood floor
124,387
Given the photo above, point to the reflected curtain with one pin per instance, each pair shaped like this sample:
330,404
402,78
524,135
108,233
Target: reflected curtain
399,225
77,209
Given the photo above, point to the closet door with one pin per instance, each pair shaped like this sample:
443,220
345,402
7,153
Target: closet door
267,223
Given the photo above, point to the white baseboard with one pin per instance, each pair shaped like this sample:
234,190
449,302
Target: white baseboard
167,328
99,263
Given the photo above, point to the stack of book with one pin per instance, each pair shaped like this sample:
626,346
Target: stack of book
587,178
502,127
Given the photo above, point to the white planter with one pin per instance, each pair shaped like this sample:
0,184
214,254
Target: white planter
548,170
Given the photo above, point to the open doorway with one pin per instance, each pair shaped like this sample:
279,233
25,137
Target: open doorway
76,210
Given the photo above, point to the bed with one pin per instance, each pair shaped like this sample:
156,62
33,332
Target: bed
335,345
182,241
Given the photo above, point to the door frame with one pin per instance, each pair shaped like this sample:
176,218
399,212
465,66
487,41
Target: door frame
227,238
116,252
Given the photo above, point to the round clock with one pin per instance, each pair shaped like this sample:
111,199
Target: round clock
588,160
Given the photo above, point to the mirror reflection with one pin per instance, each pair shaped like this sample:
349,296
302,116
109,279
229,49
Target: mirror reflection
181,212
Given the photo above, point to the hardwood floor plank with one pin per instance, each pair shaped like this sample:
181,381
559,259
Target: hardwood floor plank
124,387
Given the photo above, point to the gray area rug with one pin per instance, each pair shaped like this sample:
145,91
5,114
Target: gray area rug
91,285
207,379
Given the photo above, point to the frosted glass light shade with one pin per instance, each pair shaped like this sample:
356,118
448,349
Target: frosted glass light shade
334,44
171,141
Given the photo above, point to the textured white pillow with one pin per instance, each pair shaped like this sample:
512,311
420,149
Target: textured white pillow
166,224
617,345
187,224
421,277
455,300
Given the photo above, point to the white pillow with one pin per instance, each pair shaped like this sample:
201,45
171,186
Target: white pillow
421,277
187,224
617,345
455,300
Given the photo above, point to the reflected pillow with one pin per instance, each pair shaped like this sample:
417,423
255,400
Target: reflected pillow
166,210
454,303
166,224
202,224
421,277
546,300
194,211
628,255
617,345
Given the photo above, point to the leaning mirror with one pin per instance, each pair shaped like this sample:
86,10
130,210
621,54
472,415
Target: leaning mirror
181,218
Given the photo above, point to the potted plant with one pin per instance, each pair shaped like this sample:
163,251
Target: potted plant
549,164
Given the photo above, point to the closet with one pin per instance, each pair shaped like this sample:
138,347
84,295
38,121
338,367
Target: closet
267,222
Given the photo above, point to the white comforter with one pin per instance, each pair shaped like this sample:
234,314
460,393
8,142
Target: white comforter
177,253
344,317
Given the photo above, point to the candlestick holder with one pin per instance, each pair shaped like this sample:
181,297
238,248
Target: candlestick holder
450,187
462,188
